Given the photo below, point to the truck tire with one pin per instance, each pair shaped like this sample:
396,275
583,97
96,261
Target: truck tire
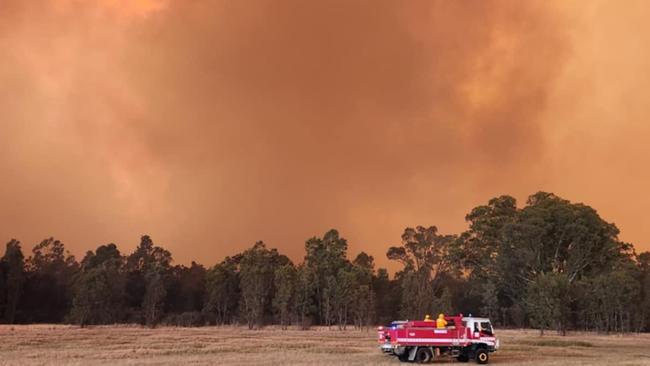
482,357
462,358
423,355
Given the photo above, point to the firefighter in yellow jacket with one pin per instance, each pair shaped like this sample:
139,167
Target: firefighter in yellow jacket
441,322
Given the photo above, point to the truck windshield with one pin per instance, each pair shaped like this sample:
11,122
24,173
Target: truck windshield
486,328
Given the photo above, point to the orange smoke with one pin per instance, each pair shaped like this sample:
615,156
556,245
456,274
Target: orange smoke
210,125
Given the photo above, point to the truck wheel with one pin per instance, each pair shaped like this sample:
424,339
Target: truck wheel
423,355
462,358
482,357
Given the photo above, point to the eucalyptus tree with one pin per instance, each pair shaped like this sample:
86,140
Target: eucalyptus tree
284,279
99,289
13,280
223,291
424,253
325,257
256,270
304,293
148,269
51,271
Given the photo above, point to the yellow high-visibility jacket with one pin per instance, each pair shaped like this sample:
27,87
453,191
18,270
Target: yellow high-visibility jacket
441,322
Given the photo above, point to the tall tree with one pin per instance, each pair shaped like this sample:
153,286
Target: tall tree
363,298
479,247
305,289
222,291
256,270
99,288
478,250
425,256
13,261
388,294
610,300
325,257
91,303
148,268
148,255
3,288
186,290
50,275
643,261
153,304
546,300
553,235
285,283
342,287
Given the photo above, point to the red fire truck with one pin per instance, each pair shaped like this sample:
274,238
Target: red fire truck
465,338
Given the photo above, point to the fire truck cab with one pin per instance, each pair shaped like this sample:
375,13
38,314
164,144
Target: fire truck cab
464,338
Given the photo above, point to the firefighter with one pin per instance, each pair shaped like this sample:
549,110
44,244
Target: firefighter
427,318
441,322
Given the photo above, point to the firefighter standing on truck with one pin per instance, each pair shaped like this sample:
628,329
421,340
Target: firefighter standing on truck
441,322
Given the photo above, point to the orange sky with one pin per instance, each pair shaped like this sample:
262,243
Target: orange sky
210,125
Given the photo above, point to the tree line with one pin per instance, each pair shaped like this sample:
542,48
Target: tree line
551,264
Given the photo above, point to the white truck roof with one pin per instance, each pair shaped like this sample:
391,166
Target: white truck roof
466,318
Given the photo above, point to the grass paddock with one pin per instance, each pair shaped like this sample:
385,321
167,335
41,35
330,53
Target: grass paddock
133,345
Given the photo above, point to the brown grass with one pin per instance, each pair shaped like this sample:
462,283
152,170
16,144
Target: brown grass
131,345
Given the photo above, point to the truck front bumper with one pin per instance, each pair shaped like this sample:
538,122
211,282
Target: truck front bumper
394,349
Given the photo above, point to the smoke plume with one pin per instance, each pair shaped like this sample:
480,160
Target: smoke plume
210,125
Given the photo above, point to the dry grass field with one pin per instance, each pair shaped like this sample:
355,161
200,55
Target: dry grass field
123,345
